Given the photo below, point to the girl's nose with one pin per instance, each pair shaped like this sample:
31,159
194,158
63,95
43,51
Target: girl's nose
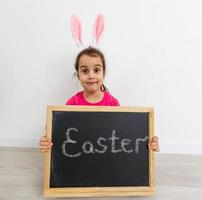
91,75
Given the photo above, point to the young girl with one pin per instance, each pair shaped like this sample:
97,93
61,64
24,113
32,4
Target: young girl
90,70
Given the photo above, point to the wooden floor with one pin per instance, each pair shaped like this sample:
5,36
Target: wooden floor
21,176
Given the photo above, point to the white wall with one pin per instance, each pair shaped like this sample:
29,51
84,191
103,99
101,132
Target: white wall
153,51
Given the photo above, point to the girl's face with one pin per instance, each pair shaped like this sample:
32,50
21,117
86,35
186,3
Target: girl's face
90,73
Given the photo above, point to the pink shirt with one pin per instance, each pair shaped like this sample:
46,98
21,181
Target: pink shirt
79,99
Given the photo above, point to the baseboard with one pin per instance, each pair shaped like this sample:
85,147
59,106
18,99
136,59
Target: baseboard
164,147
181,148
19,142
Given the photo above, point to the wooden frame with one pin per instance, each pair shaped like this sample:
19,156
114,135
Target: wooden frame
98,191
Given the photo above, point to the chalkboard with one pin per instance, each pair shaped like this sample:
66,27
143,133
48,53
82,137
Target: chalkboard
99,151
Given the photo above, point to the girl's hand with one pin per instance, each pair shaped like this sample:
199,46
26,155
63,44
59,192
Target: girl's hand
154,144
45,144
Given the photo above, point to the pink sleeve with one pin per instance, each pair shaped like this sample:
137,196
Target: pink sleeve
116,102
70,101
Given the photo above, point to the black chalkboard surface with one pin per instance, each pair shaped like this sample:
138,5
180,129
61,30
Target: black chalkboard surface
99,151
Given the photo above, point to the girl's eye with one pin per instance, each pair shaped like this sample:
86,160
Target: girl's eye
84,71
97,70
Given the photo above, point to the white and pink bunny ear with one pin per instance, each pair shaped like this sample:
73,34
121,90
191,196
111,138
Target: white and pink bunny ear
76,30
98,27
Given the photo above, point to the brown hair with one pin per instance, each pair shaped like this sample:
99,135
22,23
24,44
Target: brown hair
92,52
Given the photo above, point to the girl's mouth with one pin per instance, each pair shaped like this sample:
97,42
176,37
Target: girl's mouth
91,82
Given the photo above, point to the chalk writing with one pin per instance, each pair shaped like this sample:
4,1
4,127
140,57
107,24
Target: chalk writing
88,147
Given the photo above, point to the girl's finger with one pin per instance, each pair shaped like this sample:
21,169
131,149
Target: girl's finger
45,139
45,144
45,147
154,139
154,143
154,146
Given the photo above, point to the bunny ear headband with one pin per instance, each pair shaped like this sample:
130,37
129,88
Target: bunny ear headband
76,28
